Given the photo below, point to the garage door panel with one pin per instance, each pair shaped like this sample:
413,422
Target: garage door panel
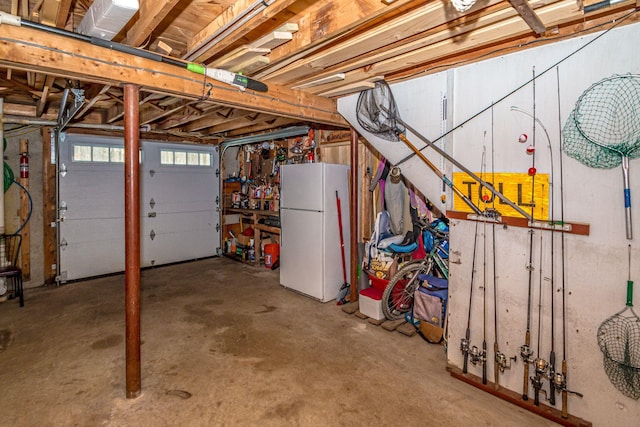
181,221
89,261
177,207
163,247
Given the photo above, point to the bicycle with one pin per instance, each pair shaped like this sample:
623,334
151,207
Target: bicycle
398,296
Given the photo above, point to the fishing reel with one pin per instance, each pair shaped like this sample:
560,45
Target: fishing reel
541,366
526,353
464,346
560,382
503,361
477,355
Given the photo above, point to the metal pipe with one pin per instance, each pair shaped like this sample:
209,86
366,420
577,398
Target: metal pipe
353,216
16,120
132,238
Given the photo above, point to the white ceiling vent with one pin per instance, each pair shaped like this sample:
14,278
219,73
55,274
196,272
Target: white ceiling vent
105,18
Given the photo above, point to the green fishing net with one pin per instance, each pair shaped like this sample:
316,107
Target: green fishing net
604,126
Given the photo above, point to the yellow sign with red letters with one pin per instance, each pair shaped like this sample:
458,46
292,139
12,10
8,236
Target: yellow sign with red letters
530,193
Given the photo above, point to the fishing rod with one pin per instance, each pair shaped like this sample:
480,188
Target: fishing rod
484,302
496,350
540,364
553,223
483,357
464,342
234,79
525,349
500,361
560,378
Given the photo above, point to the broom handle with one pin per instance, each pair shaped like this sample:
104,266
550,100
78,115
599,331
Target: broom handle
344,265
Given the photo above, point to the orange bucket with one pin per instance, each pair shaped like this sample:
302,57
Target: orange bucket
271,254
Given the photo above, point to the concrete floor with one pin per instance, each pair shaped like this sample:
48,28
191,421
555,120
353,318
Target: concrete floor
223,344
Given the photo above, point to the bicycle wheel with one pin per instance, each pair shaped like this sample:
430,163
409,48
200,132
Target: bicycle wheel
397,298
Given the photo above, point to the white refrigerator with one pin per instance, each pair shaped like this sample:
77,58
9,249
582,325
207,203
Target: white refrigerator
310,258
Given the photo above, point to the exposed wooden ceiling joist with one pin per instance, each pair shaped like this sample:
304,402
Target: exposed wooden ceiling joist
526,12
23,48
152,13
426,17
331,48
63,13
235,22
45,95
447,47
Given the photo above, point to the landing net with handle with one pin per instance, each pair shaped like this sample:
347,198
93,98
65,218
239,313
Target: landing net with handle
603,130
377,113
619,341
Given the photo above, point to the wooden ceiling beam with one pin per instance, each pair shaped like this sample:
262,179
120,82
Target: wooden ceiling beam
424,18
27,49
191,114
45,95
93,95
215,118
271,124
239,123
49,12
328,21
221,33
63,13
151,117
452,29
446,47
151,14
529,16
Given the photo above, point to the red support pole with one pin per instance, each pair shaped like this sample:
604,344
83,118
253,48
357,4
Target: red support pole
132,237
353,211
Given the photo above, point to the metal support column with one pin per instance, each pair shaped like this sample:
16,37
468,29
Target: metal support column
132,237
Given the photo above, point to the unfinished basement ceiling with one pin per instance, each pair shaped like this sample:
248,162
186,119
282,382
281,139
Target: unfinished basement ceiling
308,53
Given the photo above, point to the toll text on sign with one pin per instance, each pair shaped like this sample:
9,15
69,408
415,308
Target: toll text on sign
531,193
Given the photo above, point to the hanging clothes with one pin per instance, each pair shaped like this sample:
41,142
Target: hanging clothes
394,196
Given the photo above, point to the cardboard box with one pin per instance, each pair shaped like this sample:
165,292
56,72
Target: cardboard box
245,240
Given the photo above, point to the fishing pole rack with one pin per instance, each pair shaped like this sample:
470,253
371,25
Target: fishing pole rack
506,221
542,368
515,398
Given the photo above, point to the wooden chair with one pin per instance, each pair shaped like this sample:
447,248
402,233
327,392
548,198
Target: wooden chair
9,268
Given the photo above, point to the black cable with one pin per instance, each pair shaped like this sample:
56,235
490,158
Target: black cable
30,208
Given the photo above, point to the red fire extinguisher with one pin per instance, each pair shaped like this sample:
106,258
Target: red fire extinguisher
24,165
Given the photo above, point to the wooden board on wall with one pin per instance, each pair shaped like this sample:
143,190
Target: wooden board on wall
340,153
48,210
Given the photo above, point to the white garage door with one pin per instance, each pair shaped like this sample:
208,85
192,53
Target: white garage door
179,189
